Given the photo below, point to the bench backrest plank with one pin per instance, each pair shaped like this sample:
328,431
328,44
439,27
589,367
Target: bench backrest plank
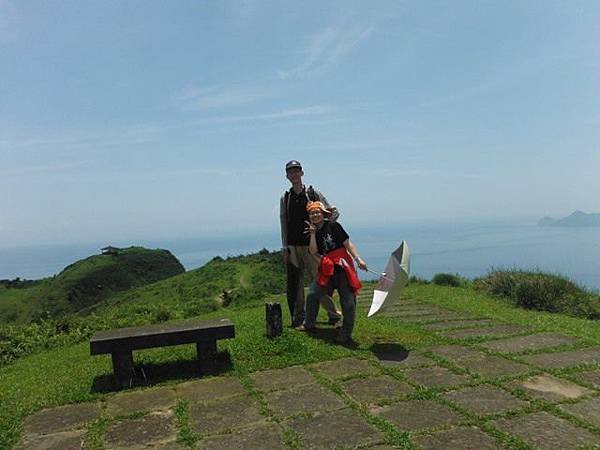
136,338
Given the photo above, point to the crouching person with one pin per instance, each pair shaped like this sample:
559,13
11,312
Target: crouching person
331,245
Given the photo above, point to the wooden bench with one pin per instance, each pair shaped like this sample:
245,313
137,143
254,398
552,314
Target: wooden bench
121,342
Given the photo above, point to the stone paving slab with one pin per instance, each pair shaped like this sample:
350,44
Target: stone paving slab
61,418
588,410
493,366
145,431
531,342
307,399
272,380
210,389
346,367
416,415
590,376
168,445
460,438
372,390
345,428
146,400
426,318
64,440
456,352
483,400
546,432
436,377
564,359
497,331
409,312
549,388
266,437
233,412
467,323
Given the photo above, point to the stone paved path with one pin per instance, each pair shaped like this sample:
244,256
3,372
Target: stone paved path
511,387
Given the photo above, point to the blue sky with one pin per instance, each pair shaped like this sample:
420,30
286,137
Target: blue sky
136,120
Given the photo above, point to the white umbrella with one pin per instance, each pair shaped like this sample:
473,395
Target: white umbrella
392,281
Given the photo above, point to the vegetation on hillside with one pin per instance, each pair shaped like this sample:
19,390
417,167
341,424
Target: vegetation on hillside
541,291
230,282
84,284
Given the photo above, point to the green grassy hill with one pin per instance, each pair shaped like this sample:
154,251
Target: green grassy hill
85,283
218,284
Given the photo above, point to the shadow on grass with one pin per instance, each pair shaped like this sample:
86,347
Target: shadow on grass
329,335
390,352
151,374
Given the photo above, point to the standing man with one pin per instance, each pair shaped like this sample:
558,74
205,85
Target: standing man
294,242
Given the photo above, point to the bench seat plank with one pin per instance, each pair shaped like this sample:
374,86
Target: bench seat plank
160,335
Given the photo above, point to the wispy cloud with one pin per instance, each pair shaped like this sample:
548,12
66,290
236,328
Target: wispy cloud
327,49
45,168
317,110
8,21
194,98
394,173
144,133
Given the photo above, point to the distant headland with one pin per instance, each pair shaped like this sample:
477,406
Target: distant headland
576,219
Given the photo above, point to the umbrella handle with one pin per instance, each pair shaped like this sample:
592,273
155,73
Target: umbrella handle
380,274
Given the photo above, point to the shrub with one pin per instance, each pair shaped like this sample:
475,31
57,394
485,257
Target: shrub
542,292
448,279
418,280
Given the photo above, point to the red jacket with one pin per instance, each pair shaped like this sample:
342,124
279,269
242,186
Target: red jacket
341,257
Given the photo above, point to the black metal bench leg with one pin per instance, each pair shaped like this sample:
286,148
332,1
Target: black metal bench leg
122,368
207,355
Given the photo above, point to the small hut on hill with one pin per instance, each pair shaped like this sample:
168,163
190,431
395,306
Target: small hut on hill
110,250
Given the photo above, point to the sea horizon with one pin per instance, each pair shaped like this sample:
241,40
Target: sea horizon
470,249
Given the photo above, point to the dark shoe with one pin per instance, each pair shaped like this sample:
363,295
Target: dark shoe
334,320
340,339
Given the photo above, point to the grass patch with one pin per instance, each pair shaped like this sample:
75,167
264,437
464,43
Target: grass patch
185,434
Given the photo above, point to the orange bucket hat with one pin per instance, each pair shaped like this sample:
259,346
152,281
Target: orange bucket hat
317,205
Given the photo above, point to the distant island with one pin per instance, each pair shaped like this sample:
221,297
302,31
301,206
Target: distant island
576,219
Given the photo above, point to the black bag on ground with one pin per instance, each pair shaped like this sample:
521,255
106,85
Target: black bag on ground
274,319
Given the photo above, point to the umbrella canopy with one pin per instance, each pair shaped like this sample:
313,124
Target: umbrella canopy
392,281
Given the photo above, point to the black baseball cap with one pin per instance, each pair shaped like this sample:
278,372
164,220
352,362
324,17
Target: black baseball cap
293,164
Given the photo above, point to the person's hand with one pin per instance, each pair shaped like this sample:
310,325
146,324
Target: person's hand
310,228
361,264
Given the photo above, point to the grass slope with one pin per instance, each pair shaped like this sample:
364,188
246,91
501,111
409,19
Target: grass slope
65,375
86,283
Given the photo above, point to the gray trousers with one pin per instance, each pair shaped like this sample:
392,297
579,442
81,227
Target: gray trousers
338,281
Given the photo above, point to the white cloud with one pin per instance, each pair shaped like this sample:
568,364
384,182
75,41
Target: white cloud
195,98
316,110
27,170
327,49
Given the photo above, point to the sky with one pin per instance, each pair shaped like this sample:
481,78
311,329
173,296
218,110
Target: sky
124,120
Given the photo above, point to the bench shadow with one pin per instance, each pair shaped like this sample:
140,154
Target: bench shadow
151,374
390,351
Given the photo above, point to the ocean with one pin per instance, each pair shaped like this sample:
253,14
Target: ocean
468,249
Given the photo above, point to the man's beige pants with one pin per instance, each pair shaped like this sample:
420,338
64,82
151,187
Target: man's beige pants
301,258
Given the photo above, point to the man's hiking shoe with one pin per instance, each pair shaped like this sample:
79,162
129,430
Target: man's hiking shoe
334,321
341,339
304,328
